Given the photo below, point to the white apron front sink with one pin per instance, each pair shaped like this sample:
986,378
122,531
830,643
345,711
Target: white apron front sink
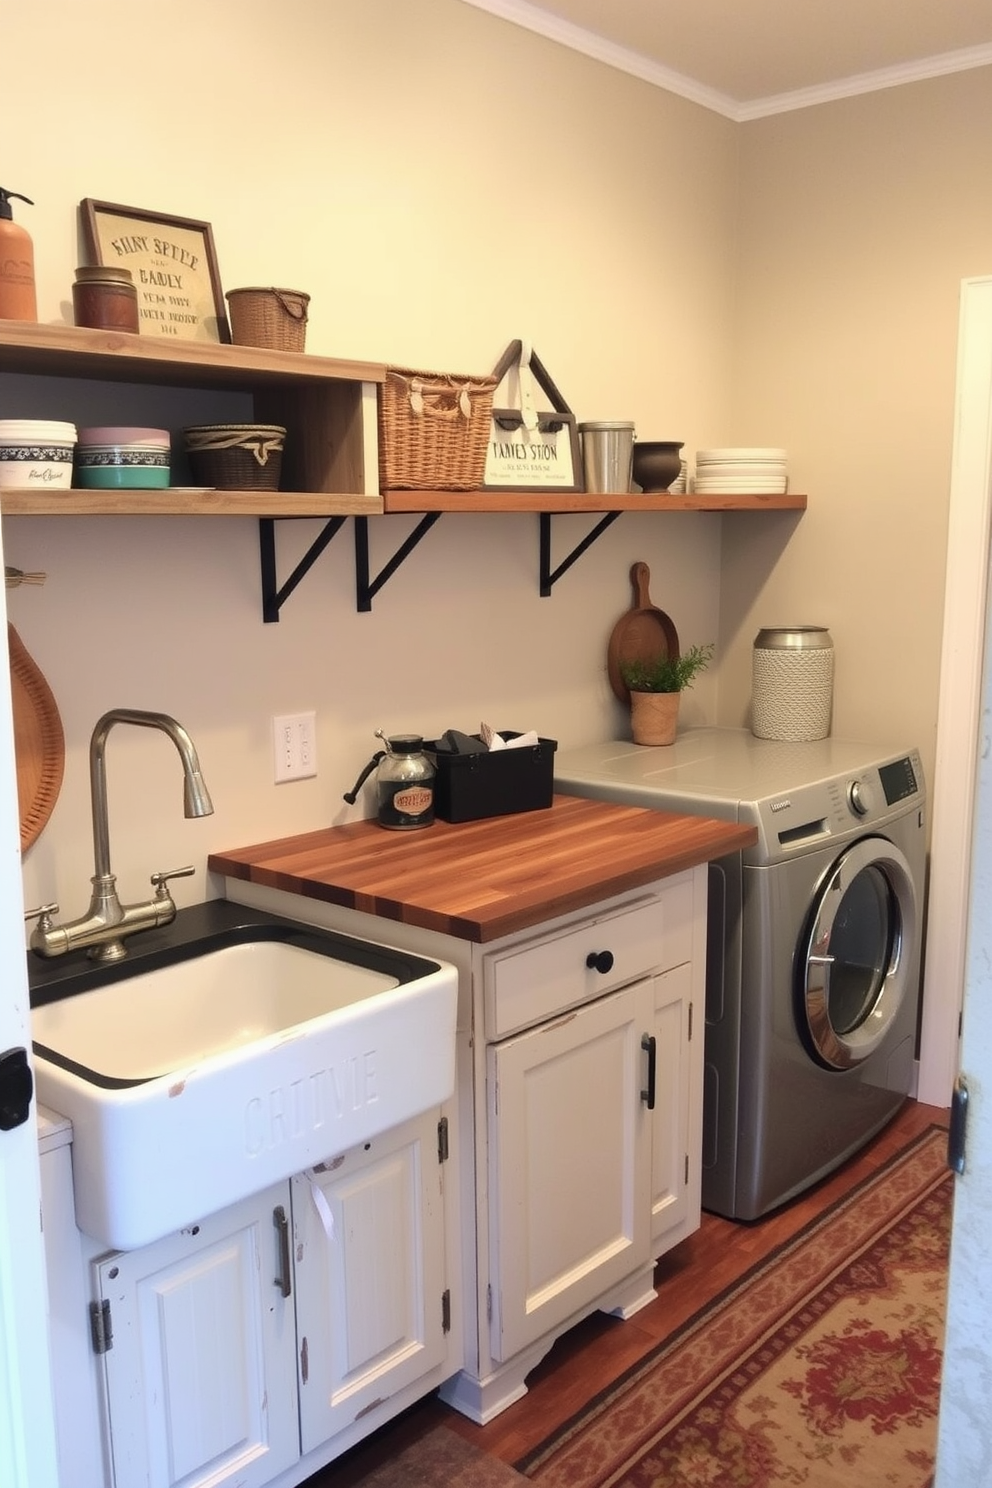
193,1084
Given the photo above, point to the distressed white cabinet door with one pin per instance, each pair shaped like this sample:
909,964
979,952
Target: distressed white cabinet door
370,1275
569,1164
675,1159
201,1378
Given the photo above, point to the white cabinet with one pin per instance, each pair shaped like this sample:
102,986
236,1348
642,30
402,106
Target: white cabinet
200,1372
372,1302
588,1118
257,1345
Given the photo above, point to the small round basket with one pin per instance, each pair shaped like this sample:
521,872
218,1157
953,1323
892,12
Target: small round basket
236,457
276,318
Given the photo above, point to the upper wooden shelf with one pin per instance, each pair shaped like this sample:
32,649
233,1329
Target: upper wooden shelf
73,351
580,501
182,503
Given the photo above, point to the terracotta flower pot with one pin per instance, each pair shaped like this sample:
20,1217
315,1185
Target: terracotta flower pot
654,717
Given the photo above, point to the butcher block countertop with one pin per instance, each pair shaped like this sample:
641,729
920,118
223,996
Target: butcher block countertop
481,880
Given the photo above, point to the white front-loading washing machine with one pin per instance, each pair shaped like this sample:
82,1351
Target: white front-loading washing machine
813,947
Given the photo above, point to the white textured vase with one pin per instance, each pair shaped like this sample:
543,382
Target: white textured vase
792,683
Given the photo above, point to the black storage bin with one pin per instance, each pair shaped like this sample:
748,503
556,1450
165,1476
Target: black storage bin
469,787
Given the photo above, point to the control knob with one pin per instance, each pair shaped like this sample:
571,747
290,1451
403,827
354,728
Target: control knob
859,797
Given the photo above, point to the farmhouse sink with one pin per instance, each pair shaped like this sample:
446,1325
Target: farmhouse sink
229,1055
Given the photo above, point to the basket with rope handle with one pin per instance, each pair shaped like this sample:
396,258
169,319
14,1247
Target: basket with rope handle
433,430
236,456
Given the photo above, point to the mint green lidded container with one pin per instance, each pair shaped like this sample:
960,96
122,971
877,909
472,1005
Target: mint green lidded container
119,458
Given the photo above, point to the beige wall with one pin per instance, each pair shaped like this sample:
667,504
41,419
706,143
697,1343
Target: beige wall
858,222
441,181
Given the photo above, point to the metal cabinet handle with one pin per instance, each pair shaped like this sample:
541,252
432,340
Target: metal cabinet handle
284,1280
601,961
650,1046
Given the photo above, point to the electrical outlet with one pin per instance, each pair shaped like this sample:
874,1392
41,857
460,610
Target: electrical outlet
294,742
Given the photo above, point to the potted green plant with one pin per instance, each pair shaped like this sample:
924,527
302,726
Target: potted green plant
655,686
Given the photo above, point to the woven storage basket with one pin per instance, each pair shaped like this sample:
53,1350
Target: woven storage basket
276,318
236,457
433,430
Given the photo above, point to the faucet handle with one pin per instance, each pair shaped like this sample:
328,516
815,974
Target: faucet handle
43,915
161,879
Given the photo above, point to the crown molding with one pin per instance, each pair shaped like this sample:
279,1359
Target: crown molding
553,28
868,82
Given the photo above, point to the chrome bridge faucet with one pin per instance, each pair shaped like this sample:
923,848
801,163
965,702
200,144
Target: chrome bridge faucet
107,922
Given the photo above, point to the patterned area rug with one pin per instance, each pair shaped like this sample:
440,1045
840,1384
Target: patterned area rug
820,1368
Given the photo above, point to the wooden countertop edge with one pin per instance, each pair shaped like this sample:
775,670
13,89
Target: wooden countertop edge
307,866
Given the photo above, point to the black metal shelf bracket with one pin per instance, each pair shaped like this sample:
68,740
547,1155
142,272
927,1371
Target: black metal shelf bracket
274,596
366,587
550,576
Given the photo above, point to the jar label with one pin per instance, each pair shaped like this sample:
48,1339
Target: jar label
413,800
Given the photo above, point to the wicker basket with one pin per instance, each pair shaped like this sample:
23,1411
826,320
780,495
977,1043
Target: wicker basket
276,318
433,430
236,457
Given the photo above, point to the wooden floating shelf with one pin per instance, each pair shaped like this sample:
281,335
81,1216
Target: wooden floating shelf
179,503
74,351
580,501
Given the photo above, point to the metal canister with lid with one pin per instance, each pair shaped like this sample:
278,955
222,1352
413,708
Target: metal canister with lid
105,299
792,682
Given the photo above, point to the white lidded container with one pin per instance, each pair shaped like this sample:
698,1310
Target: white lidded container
792,682
36,454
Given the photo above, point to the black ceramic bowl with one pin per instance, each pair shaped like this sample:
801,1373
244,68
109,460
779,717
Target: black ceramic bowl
656,463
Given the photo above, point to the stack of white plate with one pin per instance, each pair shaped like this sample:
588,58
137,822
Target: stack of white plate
680,485
741,471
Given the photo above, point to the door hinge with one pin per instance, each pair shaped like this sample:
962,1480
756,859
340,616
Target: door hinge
442,1140
16,1088
687,1170
489,1304
690,1023
101,1327
957,1131
446,1311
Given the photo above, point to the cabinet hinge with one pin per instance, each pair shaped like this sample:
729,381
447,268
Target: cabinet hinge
442,1140
101,1328
446,1311
690,1023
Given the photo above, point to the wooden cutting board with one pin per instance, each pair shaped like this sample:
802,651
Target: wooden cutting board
39,743
645,633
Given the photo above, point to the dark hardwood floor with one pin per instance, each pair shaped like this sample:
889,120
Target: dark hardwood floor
598,1350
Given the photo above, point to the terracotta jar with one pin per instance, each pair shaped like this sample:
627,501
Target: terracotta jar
654,717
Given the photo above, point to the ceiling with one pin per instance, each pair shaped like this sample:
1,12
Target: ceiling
747,58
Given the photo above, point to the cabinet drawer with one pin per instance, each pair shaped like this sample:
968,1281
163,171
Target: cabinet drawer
539,978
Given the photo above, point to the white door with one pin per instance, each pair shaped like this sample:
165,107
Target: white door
368,1232
200,1375
569,1163
965,1427
27,1425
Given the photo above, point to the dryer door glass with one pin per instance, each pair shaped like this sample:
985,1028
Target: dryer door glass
853,974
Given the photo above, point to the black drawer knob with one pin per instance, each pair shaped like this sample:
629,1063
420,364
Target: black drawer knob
601,961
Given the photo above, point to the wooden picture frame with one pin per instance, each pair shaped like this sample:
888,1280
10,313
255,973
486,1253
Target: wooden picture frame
515,459
173,263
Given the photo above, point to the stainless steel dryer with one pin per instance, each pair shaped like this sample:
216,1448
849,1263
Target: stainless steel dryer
813,970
